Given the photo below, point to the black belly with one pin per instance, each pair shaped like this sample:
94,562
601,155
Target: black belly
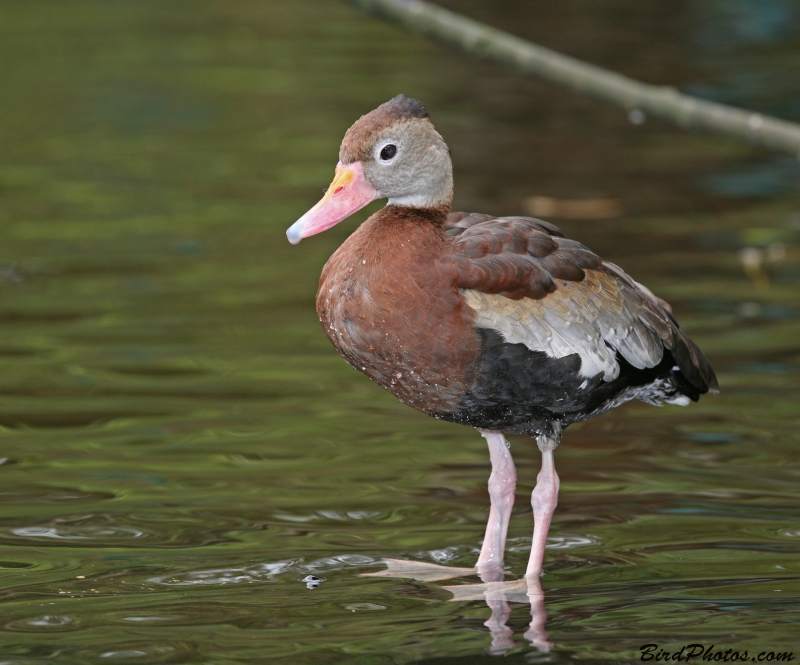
525,392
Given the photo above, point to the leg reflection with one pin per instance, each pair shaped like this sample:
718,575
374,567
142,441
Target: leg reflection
498,594
536,634
502,635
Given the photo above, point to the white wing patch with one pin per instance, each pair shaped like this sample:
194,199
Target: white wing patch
589,318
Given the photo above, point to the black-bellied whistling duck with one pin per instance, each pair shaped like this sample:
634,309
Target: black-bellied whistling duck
500,323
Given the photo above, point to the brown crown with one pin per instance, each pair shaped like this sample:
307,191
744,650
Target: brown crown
359,139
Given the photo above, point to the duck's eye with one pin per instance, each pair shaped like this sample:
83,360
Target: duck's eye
388,152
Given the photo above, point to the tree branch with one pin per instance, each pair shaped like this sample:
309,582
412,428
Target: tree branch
659,101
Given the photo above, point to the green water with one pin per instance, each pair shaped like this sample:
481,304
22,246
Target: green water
180,444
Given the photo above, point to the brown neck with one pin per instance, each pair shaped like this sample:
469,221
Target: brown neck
435,216
396,231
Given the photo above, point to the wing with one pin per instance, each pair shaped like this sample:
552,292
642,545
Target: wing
528,282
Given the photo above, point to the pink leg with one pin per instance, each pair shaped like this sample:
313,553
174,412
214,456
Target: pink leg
502,485
543,500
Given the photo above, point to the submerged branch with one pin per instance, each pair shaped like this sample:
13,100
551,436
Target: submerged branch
659,101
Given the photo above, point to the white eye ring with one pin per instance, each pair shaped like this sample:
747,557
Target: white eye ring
386,152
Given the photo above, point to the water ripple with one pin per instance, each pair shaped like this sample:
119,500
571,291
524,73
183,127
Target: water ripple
26,494
563,542
45,622
263,572
107,529
338,516
77,533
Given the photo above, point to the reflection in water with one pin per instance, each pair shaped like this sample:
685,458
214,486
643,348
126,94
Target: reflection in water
162,372
498,594
494,590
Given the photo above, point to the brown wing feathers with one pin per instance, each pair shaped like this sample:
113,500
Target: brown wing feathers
521,258
515,257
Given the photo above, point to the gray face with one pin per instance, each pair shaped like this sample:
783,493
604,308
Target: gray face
409,164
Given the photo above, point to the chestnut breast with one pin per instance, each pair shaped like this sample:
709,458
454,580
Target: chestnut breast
390,305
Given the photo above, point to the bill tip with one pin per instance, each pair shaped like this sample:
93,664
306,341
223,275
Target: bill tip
295,233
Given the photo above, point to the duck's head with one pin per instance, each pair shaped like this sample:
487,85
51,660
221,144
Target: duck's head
392,153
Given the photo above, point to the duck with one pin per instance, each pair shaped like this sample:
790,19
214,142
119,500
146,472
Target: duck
502,324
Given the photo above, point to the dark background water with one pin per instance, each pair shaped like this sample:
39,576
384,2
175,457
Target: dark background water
181,445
